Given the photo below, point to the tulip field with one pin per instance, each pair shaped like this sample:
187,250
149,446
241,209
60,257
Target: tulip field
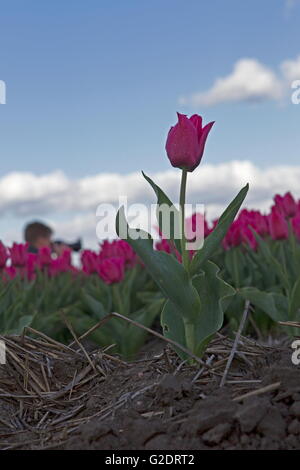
37,290
259,257
153,344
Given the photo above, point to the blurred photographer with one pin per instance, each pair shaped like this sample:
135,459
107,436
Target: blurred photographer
39,235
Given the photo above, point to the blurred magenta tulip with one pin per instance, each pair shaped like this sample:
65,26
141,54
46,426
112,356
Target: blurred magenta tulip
163,245
168,247
3,255
62,264
186,141
111,270
31,265
118,249
196,226
44,256
296,225
9,273
19,254
286,204
89,261
278,226
233,236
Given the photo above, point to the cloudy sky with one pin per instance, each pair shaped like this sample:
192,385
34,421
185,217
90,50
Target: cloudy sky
93,86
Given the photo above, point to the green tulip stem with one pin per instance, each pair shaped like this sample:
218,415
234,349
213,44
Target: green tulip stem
189,327
293,244
292,237
184,252
189,335
118,304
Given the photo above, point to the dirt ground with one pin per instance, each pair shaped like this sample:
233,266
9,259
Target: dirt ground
54,397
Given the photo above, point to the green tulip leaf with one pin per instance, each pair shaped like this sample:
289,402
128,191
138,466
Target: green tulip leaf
212,242
273,304
216,296
24,321
173,327
271,260
294,310
162,200
167,272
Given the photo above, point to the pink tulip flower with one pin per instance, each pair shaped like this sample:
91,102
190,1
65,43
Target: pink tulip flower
62,264
196,226
296,225
168,247
234,235
10,273
89,261
3,255
186,141
19,254
163,245
278,226
111,270
31,265
118,249
44,257
286,204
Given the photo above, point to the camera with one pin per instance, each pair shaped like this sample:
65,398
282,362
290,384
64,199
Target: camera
76,246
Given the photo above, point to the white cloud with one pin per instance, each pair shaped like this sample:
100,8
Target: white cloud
70,205
21,191
291,69
249,81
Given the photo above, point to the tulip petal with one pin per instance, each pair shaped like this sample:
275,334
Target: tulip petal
182,143
197,121
205,131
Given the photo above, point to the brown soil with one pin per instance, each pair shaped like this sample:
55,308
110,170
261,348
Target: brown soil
52,397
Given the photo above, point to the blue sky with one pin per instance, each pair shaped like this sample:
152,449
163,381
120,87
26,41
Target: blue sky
92,86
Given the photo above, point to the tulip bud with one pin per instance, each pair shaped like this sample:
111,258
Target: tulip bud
163,245
118,249
3,255
89,261
278,225
19,254
233,236
10,273
62,264
44,256
31,265
186,141
111,270
296,226
196,226
286,204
